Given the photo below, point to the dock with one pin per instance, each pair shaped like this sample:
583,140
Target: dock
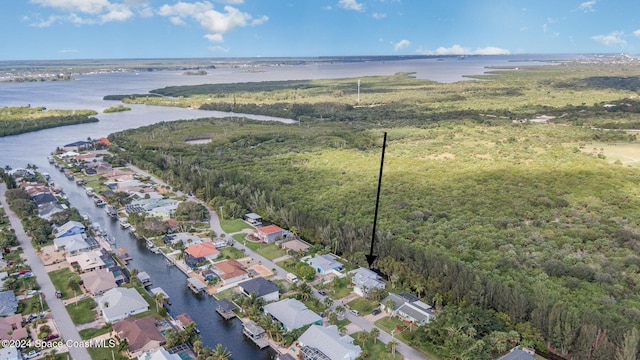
123,255
225,309
254,332
196,285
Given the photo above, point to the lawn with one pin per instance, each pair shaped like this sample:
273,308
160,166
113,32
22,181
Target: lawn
227,294
233,226
152,303
60,280
376,349
339,288
105,353
270,251
32,305
82,311
230,252
364,306
87,334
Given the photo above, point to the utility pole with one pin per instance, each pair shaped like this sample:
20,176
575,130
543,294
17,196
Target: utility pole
358,90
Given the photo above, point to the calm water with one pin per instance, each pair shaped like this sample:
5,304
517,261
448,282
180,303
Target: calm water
87,92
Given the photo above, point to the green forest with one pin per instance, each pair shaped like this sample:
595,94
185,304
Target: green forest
22,119
525,232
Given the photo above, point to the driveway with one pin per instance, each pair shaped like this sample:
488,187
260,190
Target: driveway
63,321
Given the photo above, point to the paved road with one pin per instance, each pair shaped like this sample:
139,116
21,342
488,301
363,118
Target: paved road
67,329
407,351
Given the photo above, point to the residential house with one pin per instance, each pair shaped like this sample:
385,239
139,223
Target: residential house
87,261
186,238
120,303
262,288
10,353
70,228
364,280
270,233
98,282
72,244
324,264
230,271
11,328
77,146
253,219
47,210
319,343
292,314
142,334
408,307
296,246
199,253
44,197
158,354
8,303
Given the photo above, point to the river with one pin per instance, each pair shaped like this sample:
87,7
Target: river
87,92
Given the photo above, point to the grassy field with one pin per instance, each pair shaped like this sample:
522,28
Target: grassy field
270,251
233,226
32,305
87,334
60,280
82,311
231,253
376,349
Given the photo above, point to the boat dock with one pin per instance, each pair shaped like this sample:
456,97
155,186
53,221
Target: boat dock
254,332
196,285
225,309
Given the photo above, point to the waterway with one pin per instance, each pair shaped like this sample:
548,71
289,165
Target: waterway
86,93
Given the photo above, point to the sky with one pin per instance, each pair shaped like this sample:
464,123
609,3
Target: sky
111,29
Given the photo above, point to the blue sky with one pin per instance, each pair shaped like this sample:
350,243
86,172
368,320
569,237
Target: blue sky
85,29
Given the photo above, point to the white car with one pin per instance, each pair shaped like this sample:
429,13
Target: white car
31,354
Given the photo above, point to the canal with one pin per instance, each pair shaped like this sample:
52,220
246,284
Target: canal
213,328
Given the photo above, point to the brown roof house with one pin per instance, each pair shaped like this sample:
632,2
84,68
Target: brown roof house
11,328
142,335
99,281
200,253
270,233
230,271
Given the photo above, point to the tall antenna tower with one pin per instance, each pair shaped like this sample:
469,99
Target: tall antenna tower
358,90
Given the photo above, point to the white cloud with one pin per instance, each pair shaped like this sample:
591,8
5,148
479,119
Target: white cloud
378,16
215,23
611,39
351,5
587,6
401,44
460,50
636,33
67,51
91,11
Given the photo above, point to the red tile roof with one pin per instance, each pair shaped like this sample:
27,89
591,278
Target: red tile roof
202,250
269,229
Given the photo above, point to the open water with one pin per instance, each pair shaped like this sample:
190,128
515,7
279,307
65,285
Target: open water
87,92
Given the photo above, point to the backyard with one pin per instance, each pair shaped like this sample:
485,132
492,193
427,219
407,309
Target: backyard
60,279
82,311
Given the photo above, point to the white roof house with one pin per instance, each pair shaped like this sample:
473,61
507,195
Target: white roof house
158,354
408,307
87,261
324,264
364,280
119,303
99,281
71,244
329,342
292,313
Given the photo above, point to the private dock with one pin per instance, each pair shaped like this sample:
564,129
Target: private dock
225,309
254,332
196,285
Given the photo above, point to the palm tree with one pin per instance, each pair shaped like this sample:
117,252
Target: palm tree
374,333
391,346
328,302
362,337
342,328
437,301
220,353
159,298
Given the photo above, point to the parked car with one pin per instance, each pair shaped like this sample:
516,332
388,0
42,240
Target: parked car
58,294
355,312
31,354
322,292
51,337
376,312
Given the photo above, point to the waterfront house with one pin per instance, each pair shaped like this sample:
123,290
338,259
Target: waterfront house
518,353
72,244
158,354
142,335
10,353
47,210
144,278
270,233
408,307
120,303
196,254
77,146
98,282
324,264
230,271
70,228
364,280
292,314
296,246
87,261
320,342
255,333
261,287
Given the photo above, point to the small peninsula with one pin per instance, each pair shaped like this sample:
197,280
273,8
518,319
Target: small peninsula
22,119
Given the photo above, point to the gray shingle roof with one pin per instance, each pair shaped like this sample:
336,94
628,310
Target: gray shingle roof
259,286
